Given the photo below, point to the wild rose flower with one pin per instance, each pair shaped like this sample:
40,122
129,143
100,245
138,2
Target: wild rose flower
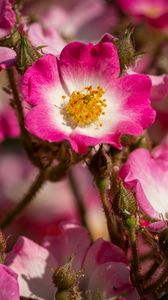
154,11
80,97
147,175
7,17
103,264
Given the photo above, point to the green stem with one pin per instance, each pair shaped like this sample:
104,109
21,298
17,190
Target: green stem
78,198
34,188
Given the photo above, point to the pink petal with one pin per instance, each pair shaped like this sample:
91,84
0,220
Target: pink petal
80,64
148,177
136,91
102,252
7,58
112,278
33,264
73,240
41,82
9,289
45,122
47,37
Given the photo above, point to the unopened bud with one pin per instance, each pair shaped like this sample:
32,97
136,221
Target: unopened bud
127,203
101,168
126,51
65,276
26,53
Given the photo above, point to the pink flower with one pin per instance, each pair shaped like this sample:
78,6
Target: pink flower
104,264
154,11
7,17
9,289
80,97
147,175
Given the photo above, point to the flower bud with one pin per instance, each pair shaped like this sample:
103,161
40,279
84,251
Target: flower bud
127,203
125,48
65,276
26,53
101,168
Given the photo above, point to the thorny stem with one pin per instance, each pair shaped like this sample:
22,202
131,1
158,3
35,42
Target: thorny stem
34,188
135,271
109,214
17,101
78,198
26,138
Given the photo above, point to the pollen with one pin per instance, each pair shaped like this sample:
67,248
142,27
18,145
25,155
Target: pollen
85,107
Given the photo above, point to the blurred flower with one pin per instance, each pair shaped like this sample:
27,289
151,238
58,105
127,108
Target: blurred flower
147,174
84,20
103,264
53,204
8,122
7,17
47,38
80,98
154,11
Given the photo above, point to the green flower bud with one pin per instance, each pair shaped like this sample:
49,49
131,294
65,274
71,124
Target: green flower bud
101,168
125,48
127,204
26,53
65,276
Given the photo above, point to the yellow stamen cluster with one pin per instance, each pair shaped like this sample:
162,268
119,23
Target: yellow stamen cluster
85,107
